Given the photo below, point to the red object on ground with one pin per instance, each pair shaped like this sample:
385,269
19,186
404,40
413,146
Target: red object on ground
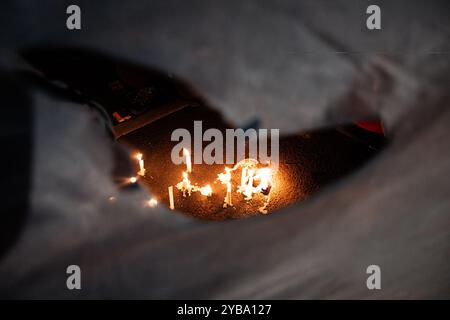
373,126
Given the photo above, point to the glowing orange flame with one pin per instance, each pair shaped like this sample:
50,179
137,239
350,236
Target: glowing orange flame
225,178
206,190
152,203
253,180
132,180
185,185
141,171
264,175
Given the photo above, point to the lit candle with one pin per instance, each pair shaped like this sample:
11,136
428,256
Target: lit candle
250,188
244,177
250,177
171,203
228,183
225,178
264,175
152,202
132,180
228,196
187,156
141,164
206,190
185,185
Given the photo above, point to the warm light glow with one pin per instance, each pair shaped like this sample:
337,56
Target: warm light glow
141,171
206,190
132,180
264,176
152,202
246,187
225,178
171,202
185,185
250,175
187,156
253,180
244,176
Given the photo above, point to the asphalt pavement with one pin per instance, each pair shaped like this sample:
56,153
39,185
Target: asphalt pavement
309,161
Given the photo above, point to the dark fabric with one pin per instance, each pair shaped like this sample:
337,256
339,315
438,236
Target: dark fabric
16,159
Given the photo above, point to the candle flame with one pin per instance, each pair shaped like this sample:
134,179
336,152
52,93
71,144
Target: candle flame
132,179
225,178
171,201
141,171
206,190
152,203
185,185
264,175
254,180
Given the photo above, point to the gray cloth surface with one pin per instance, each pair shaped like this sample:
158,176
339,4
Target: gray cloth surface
293,65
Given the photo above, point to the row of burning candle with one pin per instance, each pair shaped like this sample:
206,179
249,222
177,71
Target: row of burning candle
185,185
253,180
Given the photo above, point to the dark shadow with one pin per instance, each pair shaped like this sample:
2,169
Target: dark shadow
16,159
